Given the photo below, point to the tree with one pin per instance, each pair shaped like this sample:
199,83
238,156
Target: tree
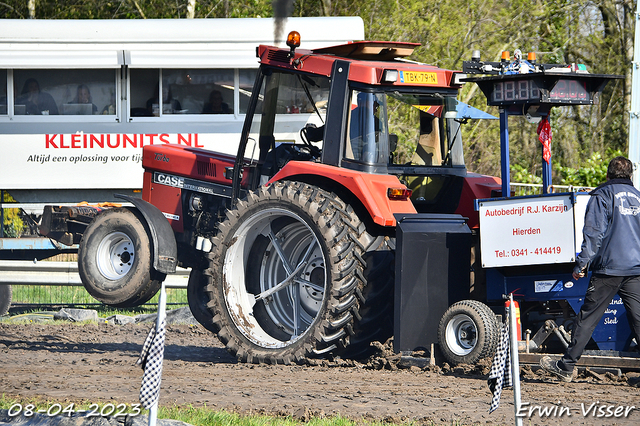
598,33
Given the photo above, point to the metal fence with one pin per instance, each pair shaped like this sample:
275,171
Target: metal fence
56,295
58,283
520,189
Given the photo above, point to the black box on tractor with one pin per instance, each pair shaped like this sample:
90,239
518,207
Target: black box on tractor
432,273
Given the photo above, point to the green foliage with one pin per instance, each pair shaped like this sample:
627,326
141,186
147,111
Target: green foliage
521,175
592,173
12,222
559,32
134,9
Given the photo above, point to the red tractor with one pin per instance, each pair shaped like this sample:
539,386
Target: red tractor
293,243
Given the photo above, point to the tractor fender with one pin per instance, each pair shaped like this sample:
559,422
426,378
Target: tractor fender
163,240
476,187
370,189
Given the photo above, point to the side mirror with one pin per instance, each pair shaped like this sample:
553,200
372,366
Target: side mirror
393,142
313,133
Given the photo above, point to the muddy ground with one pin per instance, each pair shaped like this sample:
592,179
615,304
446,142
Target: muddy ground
96,363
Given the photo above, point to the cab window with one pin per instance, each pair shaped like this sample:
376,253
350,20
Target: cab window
288,122
367,128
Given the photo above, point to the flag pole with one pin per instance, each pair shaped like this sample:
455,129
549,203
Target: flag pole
162,304
515,362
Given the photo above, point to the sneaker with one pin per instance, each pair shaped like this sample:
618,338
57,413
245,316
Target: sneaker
550,365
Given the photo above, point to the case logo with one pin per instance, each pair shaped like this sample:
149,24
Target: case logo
169,180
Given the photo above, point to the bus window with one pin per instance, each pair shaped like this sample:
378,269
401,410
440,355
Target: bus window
199,91
247,78
3,92
64,92
144,90
189,91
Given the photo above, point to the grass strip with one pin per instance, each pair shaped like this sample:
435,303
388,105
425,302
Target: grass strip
77,295
201,416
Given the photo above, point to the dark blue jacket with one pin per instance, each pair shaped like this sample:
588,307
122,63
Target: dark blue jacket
611,233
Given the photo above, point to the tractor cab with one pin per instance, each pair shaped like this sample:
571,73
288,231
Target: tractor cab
362,107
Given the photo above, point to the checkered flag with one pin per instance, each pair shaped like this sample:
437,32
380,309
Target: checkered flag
500,374
151,362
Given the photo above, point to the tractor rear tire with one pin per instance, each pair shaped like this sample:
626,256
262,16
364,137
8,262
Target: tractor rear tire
114,260
197,298
285,270
5,298
375,300
468,332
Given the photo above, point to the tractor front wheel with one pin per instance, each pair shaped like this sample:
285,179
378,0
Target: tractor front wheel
114,260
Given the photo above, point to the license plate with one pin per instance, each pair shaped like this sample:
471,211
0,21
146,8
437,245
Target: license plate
412,77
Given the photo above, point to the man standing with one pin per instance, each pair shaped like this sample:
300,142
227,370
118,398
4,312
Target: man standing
611,245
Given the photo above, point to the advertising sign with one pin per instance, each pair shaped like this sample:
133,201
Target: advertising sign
89,160
527,231
107,160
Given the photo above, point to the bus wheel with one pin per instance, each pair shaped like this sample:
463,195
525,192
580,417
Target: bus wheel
5,299
114,260
468,332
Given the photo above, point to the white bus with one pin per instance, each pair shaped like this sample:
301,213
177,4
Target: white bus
79,98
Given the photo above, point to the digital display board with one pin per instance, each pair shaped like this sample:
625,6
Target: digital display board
569,89
510,91
543,88
528,90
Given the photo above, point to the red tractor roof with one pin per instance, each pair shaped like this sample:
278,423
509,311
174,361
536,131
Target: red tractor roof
368,61
370,50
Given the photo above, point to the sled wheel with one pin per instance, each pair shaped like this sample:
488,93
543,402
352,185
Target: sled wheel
284,271
114,260
468,332
5,298
197,298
